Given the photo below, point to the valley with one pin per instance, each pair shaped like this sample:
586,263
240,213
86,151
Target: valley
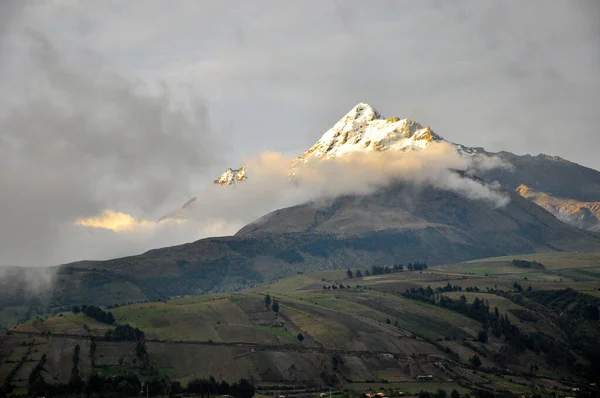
358,334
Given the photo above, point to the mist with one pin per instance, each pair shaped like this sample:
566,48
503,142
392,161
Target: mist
78,138
276,181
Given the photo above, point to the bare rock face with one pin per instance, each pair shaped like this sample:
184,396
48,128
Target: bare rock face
583,215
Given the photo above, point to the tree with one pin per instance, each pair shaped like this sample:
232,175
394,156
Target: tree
76,309
388,321
454,394
75,381
267,300
36,384
300,337
440,393
141,353
517,287
475,361
93,350
275,306
358,274
482,336
349,274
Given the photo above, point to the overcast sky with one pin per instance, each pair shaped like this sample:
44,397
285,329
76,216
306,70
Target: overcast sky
134,106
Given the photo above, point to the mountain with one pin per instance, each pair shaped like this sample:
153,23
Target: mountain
231,176
570,191
398,223
550,174
363,129
584,215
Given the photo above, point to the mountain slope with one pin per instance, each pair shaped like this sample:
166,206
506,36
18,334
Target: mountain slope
584,215
550,174
520,226
364,129
434,226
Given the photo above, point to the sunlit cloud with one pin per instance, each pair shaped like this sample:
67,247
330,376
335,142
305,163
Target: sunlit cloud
115,221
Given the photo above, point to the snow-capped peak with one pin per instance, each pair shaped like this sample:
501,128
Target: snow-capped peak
364,129
231,176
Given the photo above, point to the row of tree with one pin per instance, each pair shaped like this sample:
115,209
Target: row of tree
334,287
95,312
450,288
210,387
128,384
385,269
125,332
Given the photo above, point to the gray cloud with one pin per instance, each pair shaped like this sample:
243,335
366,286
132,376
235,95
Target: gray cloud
77,139
503,75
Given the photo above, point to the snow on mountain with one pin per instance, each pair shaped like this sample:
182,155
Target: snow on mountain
232,176
363,129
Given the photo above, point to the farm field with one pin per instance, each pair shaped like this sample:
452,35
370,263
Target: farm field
333,331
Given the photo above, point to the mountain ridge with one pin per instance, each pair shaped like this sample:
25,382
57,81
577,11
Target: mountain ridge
584,215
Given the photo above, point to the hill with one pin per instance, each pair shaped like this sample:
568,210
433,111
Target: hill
397,224
385,330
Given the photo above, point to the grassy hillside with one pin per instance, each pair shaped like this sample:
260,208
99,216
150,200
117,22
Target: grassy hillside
365,334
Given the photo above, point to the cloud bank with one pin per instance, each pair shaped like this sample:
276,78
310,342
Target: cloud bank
276,181
77,140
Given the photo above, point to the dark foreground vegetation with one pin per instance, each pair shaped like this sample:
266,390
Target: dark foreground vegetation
575,313
129,385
